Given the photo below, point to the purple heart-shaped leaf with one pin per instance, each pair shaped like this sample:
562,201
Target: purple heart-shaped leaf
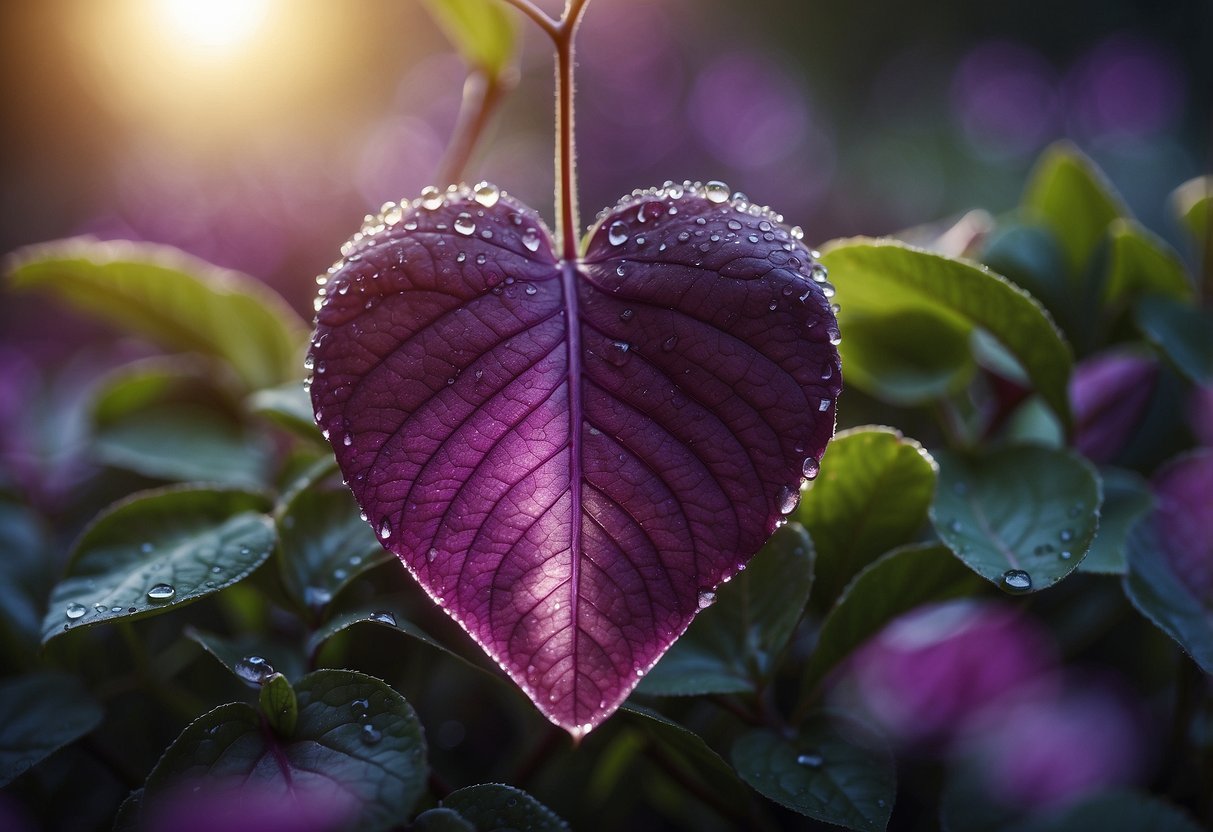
571,456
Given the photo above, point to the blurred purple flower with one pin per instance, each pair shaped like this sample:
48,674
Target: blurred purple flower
1200,415
1183,517
248,807
1109,393
1005,99
1125,87
931,669
1044,748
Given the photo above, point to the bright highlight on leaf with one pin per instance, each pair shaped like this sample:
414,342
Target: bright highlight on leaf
570,457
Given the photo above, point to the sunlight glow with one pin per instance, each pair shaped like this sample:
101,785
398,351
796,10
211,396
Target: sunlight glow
213,24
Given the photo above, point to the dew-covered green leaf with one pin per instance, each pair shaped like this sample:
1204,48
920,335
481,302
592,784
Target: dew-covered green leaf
1191,202
1069,195
1161,596
324,544
833,770
895,584
357,750
279,705
382,613
696,757
871,495
42,712
883,284
494,806
183,443
483,31
289,406
176,300
158,550
252,656
1031,258
1118,811
1182,331
1126,498
732,645
1022,517
1140,263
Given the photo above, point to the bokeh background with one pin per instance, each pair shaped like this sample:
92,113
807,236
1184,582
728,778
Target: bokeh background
256,133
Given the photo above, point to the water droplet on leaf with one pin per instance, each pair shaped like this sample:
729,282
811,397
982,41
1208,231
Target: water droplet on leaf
716,191
253,670
811,760
75,610
487,194
161,592
464,224
617,234
370,735
384,617
1016,581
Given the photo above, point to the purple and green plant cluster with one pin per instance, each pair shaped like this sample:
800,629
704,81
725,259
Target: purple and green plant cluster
544,527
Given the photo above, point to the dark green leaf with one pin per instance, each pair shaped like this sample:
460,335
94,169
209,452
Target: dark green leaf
897,583
235,653
835,770
42,713
24,578
493,806
1191,202
179,302
441,820
1141,263
731,646
158,550
482,30
1183,332
357,745
324,544
872,494
127,819
1126,497
1161,596
883,281
384,613
289,406
697,759
1113,812
279,705
1017,510
183,443
1070,196
1031,258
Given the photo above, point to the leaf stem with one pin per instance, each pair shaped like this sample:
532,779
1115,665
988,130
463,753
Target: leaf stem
562,32
483,91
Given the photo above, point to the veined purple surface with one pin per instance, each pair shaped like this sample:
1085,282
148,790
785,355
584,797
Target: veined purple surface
568,455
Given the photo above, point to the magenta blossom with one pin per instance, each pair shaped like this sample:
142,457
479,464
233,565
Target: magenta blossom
1109,393
932,668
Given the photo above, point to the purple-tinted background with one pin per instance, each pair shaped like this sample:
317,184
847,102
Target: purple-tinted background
264,157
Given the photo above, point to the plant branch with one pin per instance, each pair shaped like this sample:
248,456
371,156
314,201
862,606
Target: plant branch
538,15
483,91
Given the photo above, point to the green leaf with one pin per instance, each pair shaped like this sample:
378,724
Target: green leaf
483,31
324,545
872,494
156,551
906,357
357,746
897,583
24,579
1016,510
288,406
493,806
1031,258
1120,811
834,770
42,713
1070,196
695,758
178,301
884,283
384,613
267,654
731,646
278,705
1126,498
183,443
1141,263
1191,202
1162,597
1183,332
